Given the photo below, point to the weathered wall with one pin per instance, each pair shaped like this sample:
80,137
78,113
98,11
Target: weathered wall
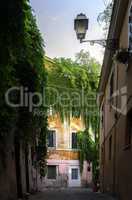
63,178
64,130
63,156
7,169
86,176
115,173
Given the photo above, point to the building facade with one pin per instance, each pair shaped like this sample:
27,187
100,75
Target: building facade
63,167
115,92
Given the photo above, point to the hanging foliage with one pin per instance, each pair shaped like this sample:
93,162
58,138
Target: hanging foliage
72,90
87,147
72,87
21,64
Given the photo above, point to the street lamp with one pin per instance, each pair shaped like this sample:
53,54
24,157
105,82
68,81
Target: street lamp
81,26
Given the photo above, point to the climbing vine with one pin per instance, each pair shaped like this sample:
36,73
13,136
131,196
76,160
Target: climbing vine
77,82
21,64
72,88
88,151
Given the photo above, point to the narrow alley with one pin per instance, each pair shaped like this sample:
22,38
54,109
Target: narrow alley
66,100
70,194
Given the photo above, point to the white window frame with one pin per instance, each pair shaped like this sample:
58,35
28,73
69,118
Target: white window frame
74,179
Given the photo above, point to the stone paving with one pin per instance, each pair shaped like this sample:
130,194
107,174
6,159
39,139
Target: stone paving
70,194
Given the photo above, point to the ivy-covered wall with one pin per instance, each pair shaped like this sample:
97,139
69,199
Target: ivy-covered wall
21,64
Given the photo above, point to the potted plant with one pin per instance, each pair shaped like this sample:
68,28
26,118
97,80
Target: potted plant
122,56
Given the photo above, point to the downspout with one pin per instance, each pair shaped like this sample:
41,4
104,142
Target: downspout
104,154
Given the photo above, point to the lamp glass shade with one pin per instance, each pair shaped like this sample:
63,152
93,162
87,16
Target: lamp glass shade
81,26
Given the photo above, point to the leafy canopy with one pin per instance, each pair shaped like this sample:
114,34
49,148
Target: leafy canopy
73,86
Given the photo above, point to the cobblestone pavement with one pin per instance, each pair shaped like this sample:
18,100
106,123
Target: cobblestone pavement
69,194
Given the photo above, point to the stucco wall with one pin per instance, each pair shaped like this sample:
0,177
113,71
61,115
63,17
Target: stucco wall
63,156
64,130
115,173
63,178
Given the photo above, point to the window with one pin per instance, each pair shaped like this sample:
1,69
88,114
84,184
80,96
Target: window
130,30
128,134
102,155
74,140
75,174
102,117
51,138
111,85
51,172
110,148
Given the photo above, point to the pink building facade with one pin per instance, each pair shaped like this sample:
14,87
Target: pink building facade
63,166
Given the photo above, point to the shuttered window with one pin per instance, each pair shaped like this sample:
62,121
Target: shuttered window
112,85
74,140
51,138
128,134
110,147
51,172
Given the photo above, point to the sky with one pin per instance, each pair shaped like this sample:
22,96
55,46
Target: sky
55,19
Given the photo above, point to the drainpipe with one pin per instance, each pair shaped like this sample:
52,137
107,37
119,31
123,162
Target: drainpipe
104,154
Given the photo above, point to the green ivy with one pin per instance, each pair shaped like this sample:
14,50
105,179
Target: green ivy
88,151
21,64
81,76
70,77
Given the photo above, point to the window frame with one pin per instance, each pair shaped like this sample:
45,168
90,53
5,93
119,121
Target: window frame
54,139
75,176
49,176
102,116
111,85
128,132
110,147
72,144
